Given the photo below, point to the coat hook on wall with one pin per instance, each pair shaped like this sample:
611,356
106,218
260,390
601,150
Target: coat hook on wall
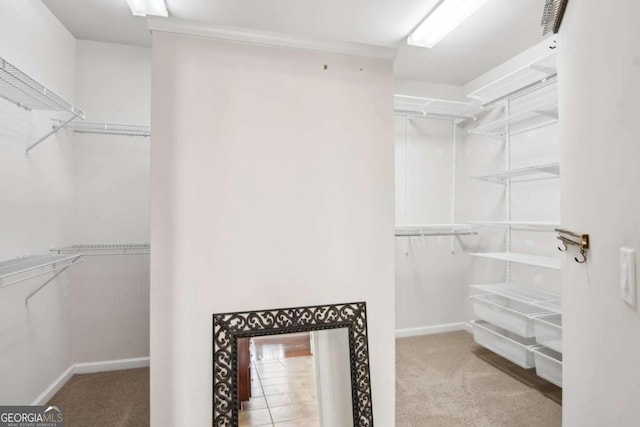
570,238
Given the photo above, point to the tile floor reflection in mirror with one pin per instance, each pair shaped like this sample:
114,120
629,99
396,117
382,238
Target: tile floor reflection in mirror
283,383
301,380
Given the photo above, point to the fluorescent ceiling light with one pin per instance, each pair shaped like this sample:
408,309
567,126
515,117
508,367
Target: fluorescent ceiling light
444,19
148,7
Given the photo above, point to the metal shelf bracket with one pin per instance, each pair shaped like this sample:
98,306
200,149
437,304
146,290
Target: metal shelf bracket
58,271
54,130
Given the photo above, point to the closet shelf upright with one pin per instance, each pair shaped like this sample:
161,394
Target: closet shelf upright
523,174
105,128
26,92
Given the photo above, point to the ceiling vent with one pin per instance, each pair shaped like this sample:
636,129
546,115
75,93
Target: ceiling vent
552,15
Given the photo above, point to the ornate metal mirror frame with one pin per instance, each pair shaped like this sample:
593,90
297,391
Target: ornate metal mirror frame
228,327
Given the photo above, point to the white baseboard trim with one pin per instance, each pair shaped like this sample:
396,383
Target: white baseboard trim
54,387
468,327
429,330
87,368
111,365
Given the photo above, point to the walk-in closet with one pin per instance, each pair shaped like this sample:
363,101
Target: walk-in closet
319,214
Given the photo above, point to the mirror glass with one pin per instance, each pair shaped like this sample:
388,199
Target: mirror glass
301,379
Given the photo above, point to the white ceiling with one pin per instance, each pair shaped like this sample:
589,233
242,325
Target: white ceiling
498,31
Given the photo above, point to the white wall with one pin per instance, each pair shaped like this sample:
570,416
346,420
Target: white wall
430,280
600,104
35,201
111,204
272,185
72,189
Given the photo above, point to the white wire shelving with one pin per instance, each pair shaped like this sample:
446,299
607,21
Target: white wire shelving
25,92
523,121
519,225
523,174
431,107
105,250
541,70
18,270
425,230
520,258
105,128
521,293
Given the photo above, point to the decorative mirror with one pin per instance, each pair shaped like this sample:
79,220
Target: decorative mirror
232,333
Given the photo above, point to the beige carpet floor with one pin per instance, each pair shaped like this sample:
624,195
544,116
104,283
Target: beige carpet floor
447,380
106,399
441,381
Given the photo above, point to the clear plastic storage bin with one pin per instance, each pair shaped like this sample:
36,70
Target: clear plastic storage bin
508,345
514,316
548,364
549,331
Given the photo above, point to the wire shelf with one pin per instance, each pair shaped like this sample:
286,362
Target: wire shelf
524,174
424,230
536,71
20,269
522,293
519,225
25,92
524,121
105,128
533,260
108,249
433,107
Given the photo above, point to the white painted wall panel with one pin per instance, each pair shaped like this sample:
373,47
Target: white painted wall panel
272,185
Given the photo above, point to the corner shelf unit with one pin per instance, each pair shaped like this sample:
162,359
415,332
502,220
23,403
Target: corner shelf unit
425,230
26,92
510,313
519,258
105,250
433,108
105,128
523,174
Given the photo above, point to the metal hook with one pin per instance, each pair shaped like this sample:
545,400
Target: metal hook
562,248
584,257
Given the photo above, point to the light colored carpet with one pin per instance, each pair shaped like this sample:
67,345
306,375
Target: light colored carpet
447,380
106,399
441,381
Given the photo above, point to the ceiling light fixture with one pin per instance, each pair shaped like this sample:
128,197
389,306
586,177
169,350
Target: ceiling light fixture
444,19
148,7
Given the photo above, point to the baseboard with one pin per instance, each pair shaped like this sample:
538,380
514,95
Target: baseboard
54,387
111,365
429,330
88,368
